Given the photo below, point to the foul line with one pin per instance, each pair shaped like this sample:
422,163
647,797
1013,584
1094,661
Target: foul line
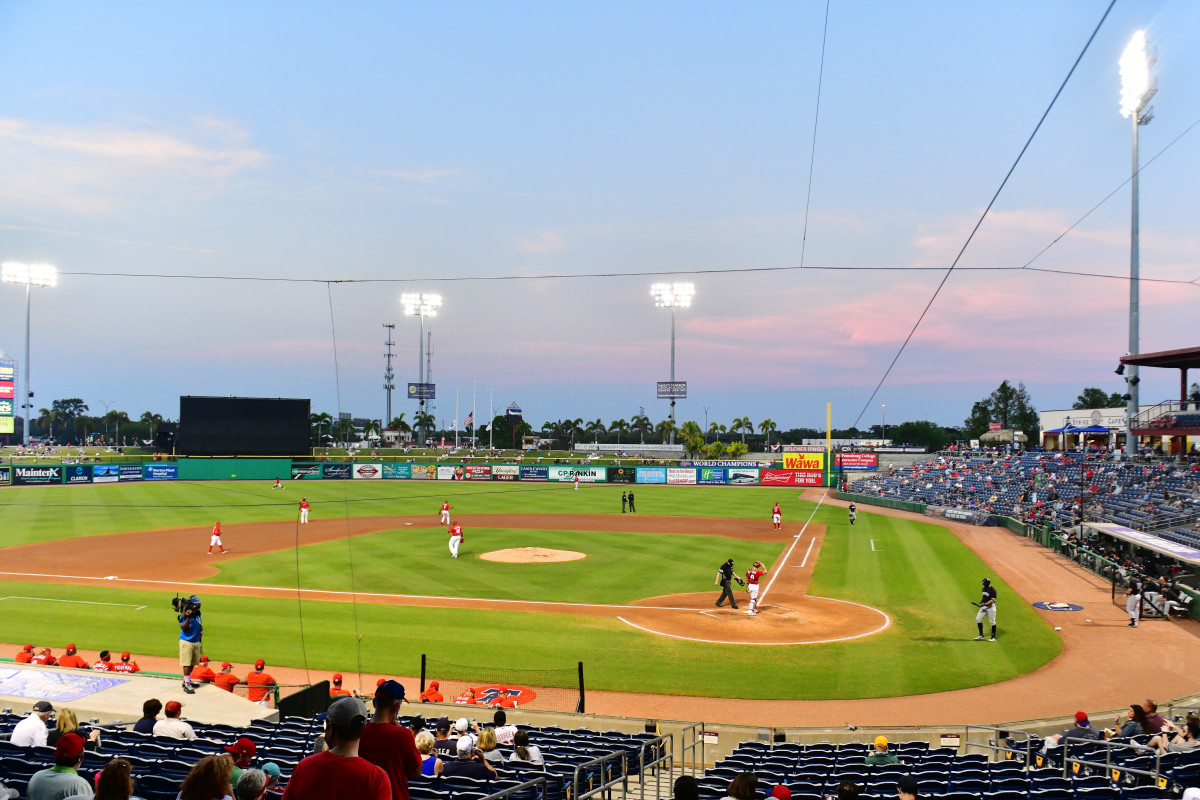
788,554
873,550
807,553
81,602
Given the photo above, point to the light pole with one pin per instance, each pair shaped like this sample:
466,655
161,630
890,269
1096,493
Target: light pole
1137,89
884,411
421,306
673,296
31,275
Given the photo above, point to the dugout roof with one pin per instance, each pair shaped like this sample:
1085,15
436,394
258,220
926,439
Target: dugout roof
1175,550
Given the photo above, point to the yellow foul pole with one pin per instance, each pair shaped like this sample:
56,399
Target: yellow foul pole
828,442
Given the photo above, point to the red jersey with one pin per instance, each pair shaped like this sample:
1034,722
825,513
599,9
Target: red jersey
391,748
332,777
203,672
260,684
103,666
227,680
456,530
752,575
73,661
217,529
44,659
776,510
337,691
466,698
126,666
445,506
304,504
23,658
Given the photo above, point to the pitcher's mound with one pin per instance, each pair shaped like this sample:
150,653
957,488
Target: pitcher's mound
532,555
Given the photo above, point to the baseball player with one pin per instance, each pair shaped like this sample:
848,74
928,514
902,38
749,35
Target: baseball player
215,540
278,484
853,513
776,516
577,481
1133,600
456,538
987,608
752,576
445,520
725,579
303,509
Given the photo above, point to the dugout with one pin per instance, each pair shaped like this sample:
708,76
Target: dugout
1165,551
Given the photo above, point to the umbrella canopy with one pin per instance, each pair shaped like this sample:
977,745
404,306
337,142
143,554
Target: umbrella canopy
1005,435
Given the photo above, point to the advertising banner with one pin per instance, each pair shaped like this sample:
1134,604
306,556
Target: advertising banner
160,472
506,472
8,373
422,391
306,472
368,472
77,473
335,472
742,477
726,464
5,476
449,473
621,474
856,460
397,471
423,472
6,407
130,472
804,461
711,476
804,448
535,473
36,475
478,473
585,474
7,390
8,425
651,475
672,389
790,477
105,473
681,477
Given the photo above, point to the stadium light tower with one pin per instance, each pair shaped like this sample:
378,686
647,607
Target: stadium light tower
673,296
31,275
1138,87
421,306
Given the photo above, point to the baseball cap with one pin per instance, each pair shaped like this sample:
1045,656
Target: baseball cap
462,725
28,648
69,747
259,664
41,707
337,677
380,682
226,665
881,741
203,659
242,747
1081,718
125,656
347,712
272,770
465,745
443,724
907,784
389,692
173,707
782,792
71,648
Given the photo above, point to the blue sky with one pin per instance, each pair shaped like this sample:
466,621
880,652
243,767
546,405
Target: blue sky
413,143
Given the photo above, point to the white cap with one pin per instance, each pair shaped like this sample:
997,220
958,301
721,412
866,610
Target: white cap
461,725
465,745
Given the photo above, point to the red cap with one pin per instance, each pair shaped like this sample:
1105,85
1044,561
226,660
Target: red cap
337,677
380,682
1081,718
27,648
173,707
71,648
227,665
242,747
125,656
203,659
69,747
259,664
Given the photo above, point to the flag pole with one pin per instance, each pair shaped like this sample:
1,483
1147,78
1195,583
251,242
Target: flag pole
456,417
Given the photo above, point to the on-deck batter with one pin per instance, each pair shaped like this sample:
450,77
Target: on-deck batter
987,608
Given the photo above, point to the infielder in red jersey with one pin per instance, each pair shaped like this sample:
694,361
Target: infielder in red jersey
752,577
776,516
303,509
445,518
215,541
456,538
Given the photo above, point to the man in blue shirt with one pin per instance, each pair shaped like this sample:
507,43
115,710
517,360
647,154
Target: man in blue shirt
191,628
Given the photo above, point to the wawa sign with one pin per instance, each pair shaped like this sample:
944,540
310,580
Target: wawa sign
806,461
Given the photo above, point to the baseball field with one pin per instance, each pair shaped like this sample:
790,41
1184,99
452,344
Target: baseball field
878,609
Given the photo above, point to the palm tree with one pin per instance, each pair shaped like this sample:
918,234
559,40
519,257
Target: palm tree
372,426
424,421
151,421
618,427
691,430
115,418
716,430
767,427
596,428
666,428
575,428
46,419
742,424
640,424
398,424
317,421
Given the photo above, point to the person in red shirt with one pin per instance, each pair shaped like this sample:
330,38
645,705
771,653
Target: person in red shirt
752,576
445,518
202,672
25,656
336,690
339,773
105,662
215,539
776,516
467,698
456,538
304,509
126,665
389,745
226,679
72,660
432,695
44,658
260,684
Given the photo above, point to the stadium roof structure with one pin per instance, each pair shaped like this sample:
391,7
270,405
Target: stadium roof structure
1185,359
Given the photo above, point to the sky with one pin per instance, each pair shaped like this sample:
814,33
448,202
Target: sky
474,149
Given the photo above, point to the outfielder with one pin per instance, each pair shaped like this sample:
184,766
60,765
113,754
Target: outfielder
456,537
304,509
215,539
987,608
278,484
776,516
853,513
1133,600
445,518
752,576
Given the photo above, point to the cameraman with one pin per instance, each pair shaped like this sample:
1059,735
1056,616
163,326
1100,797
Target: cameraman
191,628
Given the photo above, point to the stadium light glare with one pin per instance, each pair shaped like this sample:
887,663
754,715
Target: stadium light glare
1137,85
425,305
30,275
673,295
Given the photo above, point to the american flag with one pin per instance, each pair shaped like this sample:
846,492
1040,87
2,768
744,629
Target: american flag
469,422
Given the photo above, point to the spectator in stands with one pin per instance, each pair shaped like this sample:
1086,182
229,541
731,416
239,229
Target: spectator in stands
72,660
1083,730
686,788
115,782
126,665
260,684
31,731
524,751
173,727
504,731
848,790
250,785
432,695
226,679
743,787
470,762
208,779
335,688
202,672
273,773
104,662
431,765
389,745
1185,739
467,729
487,744
443,743
880,754
340,772
150,710
61,780
44,658
1155,722
781,792
1135,722
242,752
25,656
907,788
68,723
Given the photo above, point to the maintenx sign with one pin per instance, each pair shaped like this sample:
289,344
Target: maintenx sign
36,476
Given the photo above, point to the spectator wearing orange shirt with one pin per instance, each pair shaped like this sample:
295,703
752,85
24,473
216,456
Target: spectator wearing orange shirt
105,662
432,695
336,689
126,665
72,660
226,679
25,656
202,672
44,658
260,684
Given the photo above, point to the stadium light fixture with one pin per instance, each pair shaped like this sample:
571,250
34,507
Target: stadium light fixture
31,275
1120,370
420,306
673,296
1138,87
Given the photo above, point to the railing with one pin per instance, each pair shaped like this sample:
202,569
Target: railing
658,755
512,790
1115,773
1164,409
691,742
605,784
1175,717
993,743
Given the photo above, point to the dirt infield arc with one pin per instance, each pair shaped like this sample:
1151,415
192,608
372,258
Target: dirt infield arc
790,617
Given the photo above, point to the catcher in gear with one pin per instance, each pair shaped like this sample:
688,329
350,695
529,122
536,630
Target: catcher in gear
752,577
